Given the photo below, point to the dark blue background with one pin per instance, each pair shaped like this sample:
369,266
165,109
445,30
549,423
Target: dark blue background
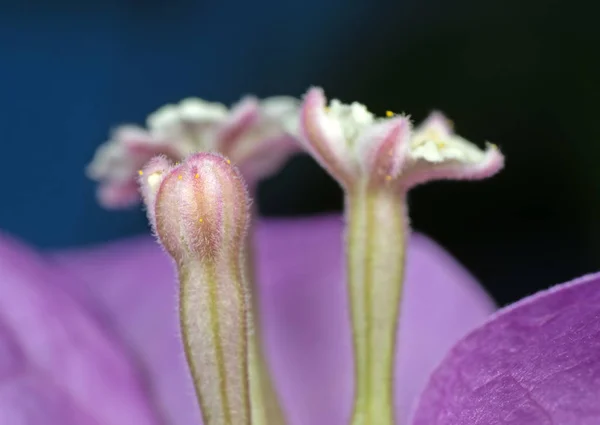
523,74
70,71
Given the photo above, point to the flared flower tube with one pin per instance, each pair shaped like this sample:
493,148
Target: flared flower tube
376,161
356,146
256,135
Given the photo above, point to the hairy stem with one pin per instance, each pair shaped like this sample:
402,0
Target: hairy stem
213,314
376,240
266,408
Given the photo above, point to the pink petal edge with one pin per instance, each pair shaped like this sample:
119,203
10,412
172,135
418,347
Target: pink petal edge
323,137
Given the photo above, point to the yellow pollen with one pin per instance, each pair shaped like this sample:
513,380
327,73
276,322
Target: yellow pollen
197,176
179,177
140,172
200,221
228,161
389,114
388,178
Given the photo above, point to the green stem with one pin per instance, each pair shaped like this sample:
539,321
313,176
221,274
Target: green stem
376,240
213,315
266,408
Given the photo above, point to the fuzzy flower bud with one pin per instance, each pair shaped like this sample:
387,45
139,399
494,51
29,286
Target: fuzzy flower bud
199,211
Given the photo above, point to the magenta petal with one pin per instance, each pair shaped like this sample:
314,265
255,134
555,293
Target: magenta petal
307,318
58,365
133,284
442,302
305,315
534,363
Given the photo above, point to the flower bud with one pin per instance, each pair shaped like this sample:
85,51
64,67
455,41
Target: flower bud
199,208
199,211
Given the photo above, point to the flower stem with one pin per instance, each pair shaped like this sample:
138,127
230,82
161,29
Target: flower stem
376,240
264,400
215,340
266,408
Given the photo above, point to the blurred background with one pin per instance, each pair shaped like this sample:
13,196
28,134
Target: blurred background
522,74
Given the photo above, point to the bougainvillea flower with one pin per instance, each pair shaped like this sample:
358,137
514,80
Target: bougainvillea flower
266,332
199,211
257,135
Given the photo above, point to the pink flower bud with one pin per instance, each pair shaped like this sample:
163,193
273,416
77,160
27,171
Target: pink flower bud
199,211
